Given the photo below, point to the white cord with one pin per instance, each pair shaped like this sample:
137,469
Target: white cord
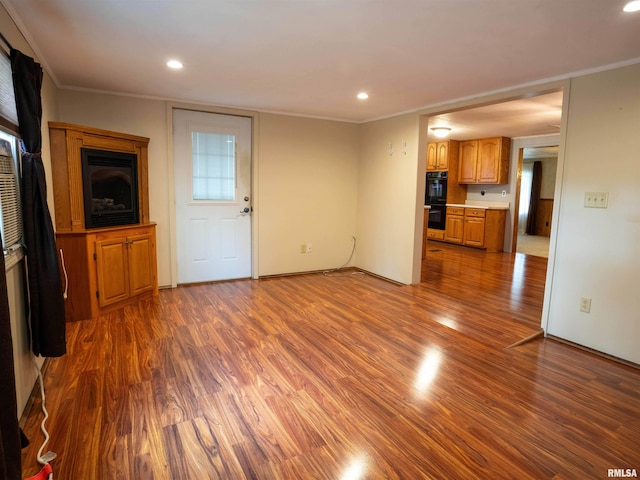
47,457
66,278
329,273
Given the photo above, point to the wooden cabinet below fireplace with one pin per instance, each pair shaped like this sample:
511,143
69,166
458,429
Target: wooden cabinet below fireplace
107,268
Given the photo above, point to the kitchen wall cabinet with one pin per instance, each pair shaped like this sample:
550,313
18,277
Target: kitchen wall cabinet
484,161
454,228
440,155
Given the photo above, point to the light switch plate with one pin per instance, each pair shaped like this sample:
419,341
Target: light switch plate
596,199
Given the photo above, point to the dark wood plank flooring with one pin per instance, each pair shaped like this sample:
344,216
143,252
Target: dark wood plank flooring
341,377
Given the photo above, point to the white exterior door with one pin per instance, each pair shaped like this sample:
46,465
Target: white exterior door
212,171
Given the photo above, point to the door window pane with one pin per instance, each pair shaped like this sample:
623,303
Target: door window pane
214,166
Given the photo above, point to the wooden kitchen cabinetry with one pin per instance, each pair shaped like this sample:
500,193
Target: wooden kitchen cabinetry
476,227
441,154
454,228
484,161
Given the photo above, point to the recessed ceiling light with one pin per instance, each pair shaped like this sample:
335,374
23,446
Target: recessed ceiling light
363,95
175,64
632,6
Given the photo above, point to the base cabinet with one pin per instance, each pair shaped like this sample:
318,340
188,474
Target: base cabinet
476,227
454,225
110,268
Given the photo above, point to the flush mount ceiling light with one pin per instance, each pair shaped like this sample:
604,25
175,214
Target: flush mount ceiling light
632,6
440,132
175,64
363,95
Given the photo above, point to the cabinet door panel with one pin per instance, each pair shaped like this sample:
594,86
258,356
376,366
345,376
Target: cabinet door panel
454,228
468,162
141,265
432,156
442,162
474,231
113,274
488,160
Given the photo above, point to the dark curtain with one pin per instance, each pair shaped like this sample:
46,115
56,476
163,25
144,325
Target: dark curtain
46,302
536,185
10,460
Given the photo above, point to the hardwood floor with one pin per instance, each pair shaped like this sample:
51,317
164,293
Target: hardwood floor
345,377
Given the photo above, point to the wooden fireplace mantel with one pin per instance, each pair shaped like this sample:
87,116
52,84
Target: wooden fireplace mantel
104,268
66,142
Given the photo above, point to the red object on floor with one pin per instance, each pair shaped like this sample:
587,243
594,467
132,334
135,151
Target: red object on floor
45,474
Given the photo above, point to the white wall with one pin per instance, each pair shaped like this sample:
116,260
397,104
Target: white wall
388,214
598,250
136,116
308,176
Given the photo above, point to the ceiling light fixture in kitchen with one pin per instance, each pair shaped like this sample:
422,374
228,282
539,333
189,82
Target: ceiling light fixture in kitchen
440,132
632,6
363,95
175,64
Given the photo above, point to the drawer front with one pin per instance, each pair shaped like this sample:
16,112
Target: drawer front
475,212
435,234
455,211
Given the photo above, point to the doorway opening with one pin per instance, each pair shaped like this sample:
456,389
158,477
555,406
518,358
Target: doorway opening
536,180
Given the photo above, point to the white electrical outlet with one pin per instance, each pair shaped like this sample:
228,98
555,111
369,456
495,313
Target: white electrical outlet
309,248
585,304
504,193
596,199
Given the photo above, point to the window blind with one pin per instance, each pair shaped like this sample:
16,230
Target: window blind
10,205
9,198
8,112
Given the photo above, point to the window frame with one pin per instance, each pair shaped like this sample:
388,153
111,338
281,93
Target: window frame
9,131
227,131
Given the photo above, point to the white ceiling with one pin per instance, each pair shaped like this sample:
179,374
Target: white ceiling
311,57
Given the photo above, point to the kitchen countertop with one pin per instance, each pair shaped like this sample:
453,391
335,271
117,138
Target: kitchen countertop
481,205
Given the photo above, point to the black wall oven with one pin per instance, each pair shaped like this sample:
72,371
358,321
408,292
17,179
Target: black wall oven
437,214
436,197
